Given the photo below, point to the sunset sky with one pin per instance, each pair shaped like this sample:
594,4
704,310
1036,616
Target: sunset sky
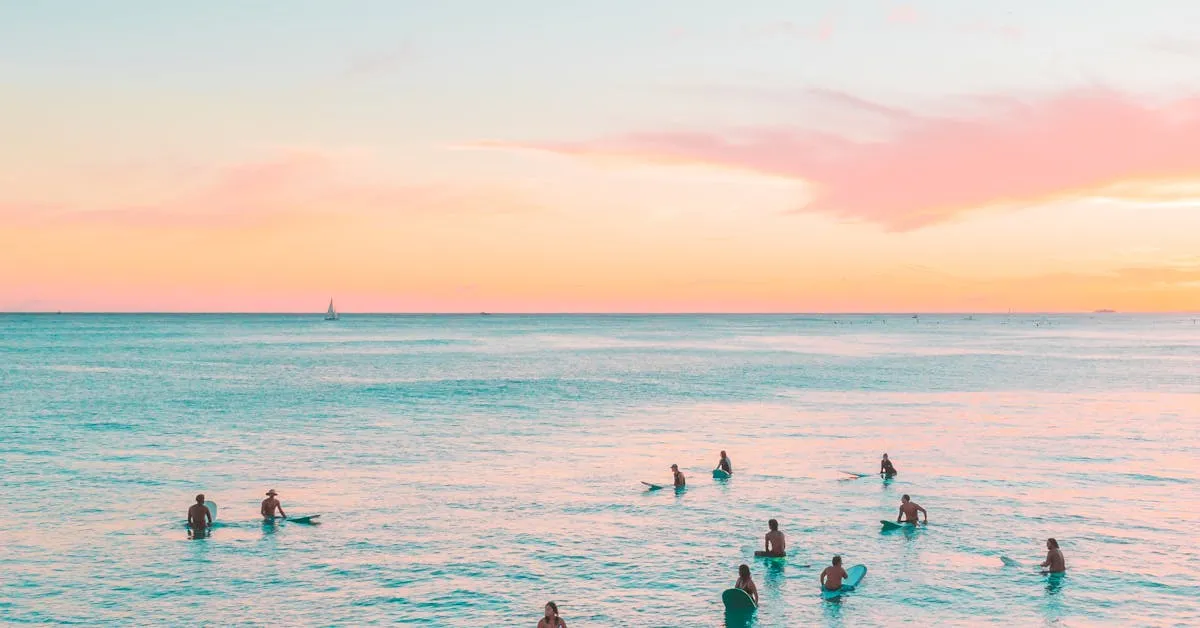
626,155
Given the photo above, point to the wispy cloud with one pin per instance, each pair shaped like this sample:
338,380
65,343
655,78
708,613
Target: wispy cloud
932,168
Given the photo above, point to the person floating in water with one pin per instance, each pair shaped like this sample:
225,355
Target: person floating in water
270,505
551,620
775,545
680,482
199,518
909,510
1055,561
832,576
724,464
885,467
746,584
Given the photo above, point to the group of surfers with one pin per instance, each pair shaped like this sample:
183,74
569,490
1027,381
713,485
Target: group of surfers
775,544
200,519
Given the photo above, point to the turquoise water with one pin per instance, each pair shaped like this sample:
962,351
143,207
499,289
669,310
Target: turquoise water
471,468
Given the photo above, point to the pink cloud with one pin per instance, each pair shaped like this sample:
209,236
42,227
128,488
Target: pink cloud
933,168
903,14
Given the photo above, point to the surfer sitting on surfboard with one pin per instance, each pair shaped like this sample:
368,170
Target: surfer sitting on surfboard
679,481
270,505
831,577
885,467
909,510
1055,561
776,546
551,620
724,464
746,584
199,518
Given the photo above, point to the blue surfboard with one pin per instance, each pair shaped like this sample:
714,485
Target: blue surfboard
309,519
720,474
738,601
653,487
854,576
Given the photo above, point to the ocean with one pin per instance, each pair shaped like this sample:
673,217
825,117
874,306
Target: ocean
468,469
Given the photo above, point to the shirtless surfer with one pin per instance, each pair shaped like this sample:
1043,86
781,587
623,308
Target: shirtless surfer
270,505
724,464
1055,561
909,510
199,518
746,584
886,469
551,619
831,577
679,481
775,545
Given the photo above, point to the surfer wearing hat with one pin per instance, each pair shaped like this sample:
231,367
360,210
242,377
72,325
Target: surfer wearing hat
885,467
909,510
199,518
1055,561
270,505
679,481
724,464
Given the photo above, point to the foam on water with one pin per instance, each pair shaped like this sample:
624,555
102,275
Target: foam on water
471,468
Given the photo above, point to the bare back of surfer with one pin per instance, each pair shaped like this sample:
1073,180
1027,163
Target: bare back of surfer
270,505
199,518
680,482
745,583
1055,561
909,510
774,544
832,576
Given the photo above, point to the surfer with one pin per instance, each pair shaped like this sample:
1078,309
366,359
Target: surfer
746,584
199,518
909,510
270,505
679,481
885,467
551,620
776,546
831,577
1055,562
724,464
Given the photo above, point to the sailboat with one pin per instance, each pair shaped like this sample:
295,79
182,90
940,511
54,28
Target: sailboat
331,314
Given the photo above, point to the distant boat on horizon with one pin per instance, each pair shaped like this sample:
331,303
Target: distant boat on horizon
331,314
1105,312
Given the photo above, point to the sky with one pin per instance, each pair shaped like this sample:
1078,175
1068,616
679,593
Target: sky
617,156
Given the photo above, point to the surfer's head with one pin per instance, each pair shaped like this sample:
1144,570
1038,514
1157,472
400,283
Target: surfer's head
674,467
200,498
885,456
551,610
723,453
744,571
837,560
1051,544
773,524
904,499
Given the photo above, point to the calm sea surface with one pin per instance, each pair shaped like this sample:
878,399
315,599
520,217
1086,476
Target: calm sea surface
470,468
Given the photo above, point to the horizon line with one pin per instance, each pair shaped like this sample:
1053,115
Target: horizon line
583,313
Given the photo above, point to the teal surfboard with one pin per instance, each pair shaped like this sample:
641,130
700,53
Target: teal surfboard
1008,562
307,519
720,474
855,475
212,509
892,525
854,576
653,487
738,601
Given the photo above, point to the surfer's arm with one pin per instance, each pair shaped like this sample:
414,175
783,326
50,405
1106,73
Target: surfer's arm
207,516
1046,563
925,512
281,513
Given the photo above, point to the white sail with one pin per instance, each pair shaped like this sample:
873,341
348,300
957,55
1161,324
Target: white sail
331,314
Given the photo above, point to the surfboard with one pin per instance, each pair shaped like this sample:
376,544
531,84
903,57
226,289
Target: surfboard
653,487
720,474
762,554
738,601
892,525
1008,562
856,475
854,576
306,519
212,509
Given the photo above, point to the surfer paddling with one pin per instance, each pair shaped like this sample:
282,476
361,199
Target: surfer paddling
886,469
1055,561
551,620
270,505
832,576
746,584
774,545
724,464
680,482
909,510
199,518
